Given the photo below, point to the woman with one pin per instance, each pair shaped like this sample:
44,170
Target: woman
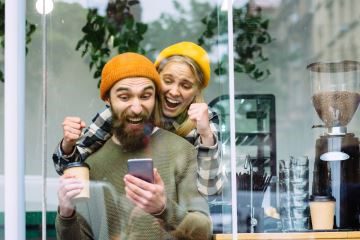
184,70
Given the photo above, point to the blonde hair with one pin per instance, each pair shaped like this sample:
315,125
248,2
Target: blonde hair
187,125
157,113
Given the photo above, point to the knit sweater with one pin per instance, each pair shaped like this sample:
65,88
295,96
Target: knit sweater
109,214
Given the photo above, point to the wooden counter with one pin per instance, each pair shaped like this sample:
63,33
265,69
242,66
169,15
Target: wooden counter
302,236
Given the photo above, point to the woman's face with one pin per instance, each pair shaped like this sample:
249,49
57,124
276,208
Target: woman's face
178,88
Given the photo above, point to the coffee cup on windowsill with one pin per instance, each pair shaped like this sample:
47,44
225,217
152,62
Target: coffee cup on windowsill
81,172
322,210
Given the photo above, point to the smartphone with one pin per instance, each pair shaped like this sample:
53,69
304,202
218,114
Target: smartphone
141,168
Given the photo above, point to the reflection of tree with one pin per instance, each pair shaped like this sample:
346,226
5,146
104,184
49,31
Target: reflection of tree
118,30
183,25
30,29
250,35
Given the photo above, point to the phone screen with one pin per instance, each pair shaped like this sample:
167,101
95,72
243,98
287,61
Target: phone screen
141,168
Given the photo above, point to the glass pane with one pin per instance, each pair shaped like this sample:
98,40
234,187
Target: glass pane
296,80
34,126
282,39
2,146
73,80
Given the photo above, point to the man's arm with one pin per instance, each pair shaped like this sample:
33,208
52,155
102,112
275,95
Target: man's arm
67,222
77,147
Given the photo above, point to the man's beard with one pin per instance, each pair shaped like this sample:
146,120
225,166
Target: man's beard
132,139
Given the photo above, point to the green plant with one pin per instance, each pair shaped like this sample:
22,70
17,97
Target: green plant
118,31
250,36
30,29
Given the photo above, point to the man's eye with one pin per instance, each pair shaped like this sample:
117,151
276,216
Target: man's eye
146,96
123,97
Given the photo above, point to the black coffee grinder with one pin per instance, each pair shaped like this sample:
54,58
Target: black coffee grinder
335,96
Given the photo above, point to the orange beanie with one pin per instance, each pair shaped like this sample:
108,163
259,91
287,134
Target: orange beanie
126,65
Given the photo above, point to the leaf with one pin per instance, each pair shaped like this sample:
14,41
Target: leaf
258,74
265,24
79,44
129,23
249,67
204,20
97,73
220,70
201,41
116,41
261,39
141,28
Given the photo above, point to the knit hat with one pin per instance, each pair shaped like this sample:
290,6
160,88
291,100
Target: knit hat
126,65
191,50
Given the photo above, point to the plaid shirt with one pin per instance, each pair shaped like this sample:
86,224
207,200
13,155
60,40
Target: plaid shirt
210,178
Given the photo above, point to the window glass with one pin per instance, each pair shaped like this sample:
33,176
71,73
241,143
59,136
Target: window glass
296,90
81,38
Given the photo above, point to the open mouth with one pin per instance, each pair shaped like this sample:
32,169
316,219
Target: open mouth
172,103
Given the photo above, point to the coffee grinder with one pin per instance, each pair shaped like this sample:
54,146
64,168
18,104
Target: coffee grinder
335,96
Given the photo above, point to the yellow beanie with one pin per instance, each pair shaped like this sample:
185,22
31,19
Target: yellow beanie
126,65
191,50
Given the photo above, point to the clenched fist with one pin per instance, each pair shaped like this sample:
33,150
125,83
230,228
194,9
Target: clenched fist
198,112
72,129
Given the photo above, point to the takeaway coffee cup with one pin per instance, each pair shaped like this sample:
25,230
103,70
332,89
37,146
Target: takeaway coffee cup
80,171
322,209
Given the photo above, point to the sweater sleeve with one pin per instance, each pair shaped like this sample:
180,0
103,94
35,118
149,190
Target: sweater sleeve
98,132
73,228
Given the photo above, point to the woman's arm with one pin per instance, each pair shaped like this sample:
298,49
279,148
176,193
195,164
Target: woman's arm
210,178
93,138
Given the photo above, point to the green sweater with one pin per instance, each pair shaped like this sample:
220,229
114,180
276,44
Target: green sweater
109,213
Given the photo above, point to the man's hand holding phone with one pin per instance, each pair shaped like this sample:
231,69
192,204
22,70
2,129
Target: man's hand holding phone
148,196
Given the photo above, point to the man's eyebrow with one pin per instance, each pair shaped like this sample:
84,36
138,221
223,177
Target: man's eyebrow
122,89
127,89
149,88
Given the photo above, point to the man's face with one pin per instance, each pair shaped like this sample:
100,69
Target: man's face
132,102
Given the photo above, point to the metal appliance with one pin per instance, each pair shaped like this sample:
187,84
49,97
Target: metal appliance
335,97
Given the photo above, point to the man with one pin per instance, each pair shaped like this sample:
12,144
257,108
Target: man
169,208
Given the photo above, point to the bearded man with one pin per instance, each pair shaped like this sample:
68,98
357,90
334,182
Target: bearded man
169,208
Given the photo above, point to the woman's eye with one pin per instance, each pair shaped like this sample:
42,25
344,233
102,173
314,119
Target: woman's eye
167,81
187,86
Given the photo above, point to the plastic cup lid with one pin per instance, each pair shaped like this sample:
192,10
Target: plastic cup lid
318,198
76,164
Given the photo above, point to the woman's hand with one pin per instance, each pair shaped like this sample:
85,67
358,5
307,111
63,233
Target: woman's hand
199,113
72,130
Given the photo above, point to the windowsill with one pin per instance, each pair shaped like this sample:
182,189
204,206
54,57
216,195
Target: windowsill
304,235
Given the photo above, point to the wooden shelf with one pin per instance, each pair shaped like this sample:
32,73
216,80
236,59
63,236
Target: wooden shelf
298,236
